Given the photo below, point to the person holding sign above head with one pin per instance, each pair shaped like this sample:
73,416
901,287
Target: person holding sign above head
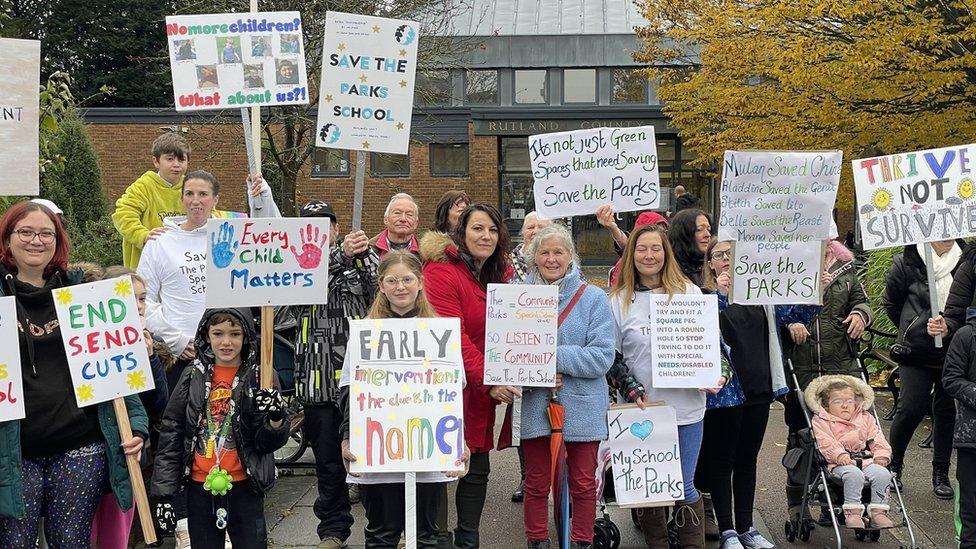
584,354
690,232
58,459
218,437
457,272
401,295
400,226
650,266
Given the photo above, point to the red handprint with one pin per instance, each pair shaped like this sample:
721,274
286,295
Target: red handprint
311,254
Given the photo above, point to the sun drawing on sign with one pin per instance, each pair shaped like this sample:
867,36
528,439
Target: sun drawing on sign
123,287
85,393
64,296
966,189
881,199
136,380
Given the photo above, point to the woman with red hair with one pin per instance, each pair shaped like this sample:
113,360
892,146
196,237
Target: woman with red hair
57,459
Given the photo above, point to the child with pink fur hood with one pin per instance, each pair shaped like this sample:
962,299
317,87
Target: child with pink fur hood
854,446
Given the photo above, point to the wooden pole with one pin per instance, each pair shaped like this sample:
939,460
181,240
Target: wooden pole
139,497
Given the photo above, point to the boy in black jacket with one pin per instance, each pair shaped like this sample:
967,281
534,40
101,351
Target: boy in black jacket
218,436
959,379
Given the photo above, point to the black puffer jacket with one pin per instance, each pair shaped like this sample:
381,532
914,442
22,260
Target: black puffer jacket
906,300
959,379
962,294
254,437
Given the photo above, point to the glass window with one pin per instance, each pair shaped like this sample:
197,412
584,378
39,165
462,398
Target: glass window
481,87
629,86
579,86
515,154
449,159
433,88
389,165
330,162
530,86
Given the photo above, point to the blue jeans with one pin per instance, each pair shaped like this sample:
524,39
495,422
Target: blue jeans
689,444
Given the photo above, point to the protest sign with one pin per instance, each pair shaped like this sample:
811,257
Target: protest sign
791,275
19,113
11,377
686,352
268,261
577,172
520,335
406,410
235,60
366,94
645,458
915,197
103,338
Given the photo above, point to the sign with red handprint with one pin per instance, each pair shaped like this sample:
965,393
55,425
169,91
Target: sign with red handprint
272,261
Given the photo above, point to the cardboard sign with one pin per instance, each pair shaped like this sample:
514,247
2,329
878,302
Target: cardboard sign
268,261
645,457
11,377
915,197
366,94
775,197
103,338
791,276
685,332
19,113
234,60
577,172
520,335
405,400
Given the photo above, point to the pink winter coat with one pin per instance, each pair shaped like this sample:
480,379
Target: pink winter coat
836,436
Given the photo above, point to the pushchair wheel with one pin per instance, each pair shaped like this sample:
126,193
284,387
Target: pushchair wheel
790,531
875,535
606,535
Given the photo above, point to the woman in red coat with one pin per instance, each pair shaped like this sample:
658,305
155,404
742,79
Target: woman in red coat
458,268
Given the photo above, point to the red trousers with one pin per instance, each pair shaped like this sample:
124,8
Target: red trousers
581,465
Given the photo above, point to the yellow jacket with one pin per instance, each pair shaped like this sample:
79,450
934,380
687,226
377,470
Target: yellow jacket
142,208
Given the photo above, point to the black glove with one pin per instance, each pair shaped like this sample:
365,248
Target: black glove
165,516
269,402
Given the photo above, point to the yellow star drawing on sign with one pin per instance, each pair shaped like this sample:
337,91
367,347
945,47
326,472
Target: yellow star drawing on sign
403,53
376,28
363,79
377,323
365,144
405,388
328,98
455,347
392,417
123,287
423,323
399,125
358,431
374,344
448,408
357,388
445,460
136,380
85,393
425,362
403,83
64,296
341,47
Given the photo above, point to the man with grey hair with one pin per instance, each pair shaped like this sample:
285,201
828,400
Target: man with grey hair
400,221
530,226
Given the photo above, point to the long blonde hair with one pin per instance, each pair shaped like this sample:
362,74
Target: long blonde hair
673,281
381,305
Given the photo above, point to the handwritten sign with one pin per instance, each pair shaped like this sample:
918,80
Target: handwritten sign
405,400
577,172
645,458
270,261
791,276
235,60
366,94
11,377
103,339
520,335
19,113
915,197
686,352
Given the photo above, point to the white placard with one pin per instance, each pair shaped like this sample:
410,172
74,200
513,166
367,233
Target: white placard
914,197
684,330
103,338
11,377
268,261
576,172
789,275
405,395
366,94
778,196
19,113
645,457
520,335
235,60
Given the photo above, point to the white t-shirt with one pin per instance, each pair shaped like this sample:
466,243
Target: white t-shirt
634,342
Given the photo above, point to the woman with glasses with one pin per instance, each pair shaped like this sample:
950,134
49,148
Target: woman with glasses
57,460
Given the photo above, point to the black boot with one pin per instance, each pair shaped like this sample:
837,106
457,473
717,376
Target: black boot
896,476
537,544
941,486
711,524
518,496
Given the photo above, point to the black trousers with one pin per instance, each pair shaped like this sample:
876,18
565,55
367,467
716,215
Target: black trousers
731,442
469,499
916,398
332,506
966,475
386,509
245,517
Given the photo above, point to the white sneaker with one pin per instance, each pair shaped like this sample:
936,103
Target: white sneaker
754,540
182,534
729,540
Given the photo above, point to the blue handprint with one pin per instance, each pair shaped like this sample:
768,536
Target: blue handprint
220,245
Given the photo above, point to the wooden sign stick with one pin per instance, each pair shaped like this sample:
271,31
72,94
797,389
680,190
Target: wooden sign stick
139,497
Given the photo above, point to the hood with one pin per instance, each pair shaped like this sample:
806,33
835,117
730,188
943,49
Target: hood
839,252
567,286
248,352
812,393
438,247
156,179
175,223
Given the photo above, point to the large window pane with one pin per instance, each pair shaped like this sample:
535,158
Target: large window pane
389,165
330,162
629,86
449,160
433,88
530,86
515,154
579,86
481,87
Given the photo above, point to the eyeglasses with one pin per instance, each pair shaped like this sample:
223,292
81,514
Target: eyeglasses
394,281
27,235
726,254
842,402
